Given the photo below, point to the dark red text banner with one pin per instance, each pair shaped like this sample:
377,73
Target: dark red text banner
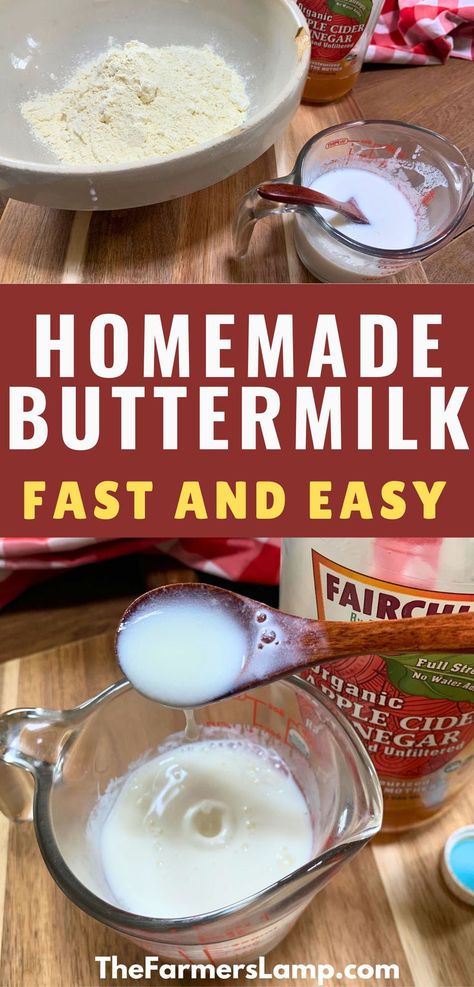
396,484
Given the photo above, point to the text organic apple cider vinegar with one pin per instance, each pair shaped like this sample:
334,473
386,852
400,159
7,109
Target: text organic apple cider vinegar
415,713
340,34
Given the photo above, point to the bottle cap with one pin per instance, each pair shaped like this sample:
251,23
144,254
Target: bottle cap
457,864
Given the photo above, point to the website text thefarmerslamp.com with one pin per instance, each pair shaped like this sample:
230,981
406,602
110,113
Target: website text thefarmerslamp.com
111,969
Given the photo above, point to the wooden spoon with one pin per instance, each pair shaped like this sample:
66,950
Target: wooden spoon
298,195
275,643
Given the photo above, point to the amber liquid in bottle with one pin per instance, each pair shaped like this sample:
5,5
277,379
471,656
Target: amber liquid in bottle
400,814
340,32
407,810
328,86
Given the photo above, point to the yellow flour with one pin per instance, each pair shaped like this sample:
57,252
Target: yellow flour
138,102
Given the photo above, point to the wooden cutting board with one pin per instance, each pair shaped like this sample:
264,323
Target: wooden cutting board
388,906
189,240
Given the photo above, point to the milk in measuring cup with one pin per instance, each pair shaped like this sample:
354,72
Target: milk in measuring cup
392,221
393,225
209,820
201,827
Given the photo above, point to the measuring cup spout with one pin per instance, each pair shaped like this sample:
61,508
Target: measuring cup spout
329,863
252,208
31,740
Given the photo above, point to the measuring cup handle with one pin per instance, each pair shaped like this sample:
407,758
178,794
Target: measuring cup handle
30,740
16,770
252,208
17,789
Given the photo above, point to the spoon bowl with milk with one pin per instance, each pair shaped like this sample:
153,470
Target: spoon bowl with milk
186,645
411,184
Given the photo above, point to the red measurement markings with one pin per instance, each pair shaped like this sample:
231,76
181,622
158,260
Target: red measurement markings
301,729
182,953
428,196
258,705
337,143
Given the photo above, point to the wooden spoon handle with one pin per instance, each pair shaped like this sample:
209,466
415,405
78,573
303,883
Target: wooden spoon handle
453,633
300,196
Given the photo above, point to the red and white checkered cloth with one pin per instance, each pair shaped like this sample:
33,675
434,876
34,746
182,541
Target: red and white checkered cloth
25,561
423,33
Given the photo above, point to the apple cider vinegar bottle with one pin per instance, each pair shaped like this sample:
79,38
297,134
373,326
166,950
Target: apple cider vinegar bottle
414,713
340,35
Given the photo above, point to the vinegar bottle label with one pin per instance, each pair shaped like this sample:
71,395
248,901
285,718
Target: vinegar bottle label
414,713
336,27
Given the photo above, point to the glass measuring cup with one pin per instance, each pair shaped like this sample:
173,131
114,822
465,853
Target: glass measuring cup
73,755
432,173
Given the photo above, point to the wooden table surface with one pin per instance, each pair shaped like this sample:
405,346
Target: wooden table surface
189,240
388,906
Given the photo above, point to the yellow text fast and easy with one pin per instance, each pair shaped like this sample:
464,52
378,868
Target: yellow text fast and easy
263,500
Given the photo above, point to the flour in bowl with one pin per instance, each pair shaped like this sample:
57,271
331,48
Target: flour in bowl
135,102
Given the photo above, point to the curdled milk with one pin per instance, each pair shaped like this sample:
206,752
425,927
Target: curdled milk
201,827
182,653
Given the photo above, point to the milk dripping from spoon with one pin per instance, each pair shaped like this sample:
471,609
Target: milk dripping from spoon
188,645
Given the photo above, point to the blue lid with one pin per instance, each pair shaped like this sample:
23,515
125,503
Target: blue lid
458,864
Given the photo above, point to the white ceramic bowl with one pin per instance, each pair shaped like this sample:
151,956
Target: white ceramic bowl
266,40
